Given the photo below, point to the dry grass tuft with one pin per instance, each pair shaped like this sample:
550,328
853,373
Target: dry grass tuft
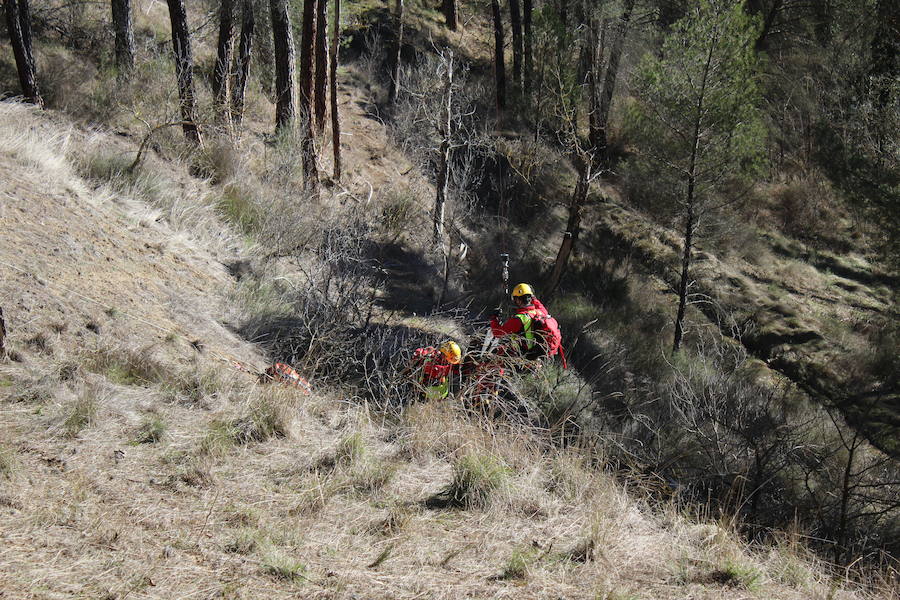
9,462
151,431
82,412
280,565
477,480
269,414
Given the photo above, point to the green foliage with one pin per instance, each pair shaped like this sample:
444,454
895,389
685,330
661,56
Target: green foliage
696,118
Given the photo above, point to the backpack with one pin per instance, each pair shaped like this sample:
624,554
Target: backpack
550,337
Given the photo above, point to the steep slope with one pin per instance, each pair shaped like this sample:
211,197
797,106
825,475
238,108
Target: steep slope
135,462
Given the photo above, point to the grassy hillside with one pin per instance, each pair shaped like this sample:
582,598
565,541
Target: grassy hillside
140,456
137,463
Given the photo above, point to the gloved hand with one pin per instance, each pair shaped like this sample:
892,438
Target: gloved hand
497,313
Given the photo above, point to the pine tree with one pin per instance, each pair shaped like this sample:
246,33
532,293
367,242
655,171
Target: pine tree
696,118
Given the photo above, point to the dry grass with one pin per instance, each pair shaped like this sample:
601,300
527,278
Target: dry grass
226,497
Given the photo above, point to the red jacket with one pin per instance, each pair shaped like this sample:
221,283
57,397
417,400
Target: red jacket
434,364
514,324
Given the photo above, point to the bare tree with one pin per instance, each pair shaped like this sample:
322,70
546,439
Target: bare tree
583,165
283,39
2,334
222,72
600,111
307,53
527,47
124,33
184,69
448,7
515,18
242,68
499,64
395,57
335,116
446,124
321,75
18,23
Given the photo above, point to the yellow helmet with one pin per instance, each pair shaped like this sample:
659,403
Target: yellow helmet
523,289
451,352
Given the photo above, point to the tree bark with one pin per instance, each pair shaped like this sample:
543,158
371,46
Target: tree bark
448,7
609,81
515,18
242,69
395,57
224,50
184,69
124,33
321,77
2,335
18,22
335,116
597,43
283,40
526,22
499,65
689,226
443,181
573,226
307,142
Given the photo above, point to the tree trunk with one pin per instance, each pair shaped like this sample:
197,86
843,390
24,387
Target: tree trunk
335,116
597,43
395,58
242,69
184,69
448,7
526,22
515,18
443,181
2,335
124,32
573,226
689,226
307,51
283,40
321,80
224,49
18,23
499,65
609,80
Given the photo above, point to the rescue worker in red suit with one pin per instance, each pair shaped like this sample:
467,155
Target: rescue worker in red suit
519,327
434,368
